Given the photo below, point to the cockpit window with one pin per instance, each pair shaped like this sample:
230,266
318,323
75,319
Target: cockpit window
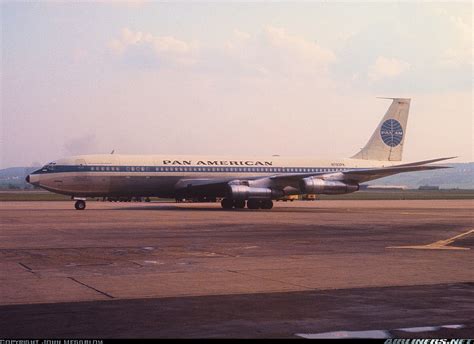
49,166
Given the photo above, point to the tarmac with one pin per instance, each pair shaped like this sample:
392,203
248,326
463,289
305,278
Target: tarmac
332,269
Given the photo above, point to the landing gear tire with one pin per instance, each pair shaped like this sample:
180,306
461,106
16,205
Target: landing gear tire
253,204
80,205
240,204
227,203
267,204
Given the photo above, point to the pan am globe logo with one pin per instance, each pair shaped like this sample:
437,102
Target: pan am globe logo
391,132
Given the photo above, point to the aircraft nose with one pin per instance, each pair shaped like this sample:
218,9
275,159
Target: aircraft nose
33,179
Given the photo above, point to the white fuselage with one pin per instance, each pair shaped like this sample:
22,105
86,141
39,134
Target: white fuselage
158,175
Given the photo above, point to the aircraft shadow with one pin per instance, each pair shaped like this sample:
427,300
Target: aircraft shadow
172,207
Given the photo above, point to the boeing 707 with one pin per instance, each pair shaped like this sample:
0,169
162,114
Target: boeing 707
240,182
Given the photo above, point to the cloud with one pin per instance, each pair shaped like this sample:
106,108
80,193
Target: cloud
385,67
275,51
461,50
462,53
298,46
166,49
270,51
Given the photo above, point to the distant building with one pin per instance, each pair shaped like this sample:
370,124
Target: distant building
383,187
428,187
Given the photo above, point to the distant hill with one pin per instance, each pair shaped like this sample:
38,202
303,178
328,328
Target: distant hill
460,176
16,172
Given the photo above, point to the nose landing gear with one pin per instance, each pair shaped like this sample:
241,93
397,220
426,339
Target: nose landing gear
80,204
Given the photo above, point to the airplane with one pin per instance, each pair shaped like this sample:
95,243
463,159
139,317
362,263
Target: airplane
240,181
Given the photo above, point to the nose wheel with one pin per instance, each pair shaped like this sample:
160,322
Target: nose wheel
80,205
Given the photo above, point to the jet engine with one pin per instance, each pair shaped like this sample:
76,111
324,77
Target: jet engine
319,186
244,192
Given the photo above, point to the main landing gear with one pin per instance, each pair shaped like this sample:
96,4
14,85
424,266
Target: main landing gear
228,203
80,204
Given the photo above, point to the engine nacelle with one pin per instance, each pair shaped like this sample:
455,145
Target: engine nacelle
329,187
244,192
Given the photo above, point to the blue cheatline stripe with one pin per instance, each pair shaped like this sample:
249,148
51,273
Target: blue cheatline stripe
195,169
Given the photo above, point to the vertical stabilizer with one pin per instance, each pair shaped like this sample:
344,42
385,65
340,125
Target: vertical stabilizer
386,143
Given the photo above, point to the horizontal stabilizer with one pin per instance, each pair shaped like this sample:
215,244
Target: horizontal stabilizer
418,163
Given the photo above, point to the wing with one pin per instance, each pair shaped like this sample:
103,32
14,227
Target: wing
363,175
219,187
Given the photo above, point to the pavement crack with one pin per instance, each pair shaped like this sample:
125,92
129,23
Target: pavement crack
26,267
90,287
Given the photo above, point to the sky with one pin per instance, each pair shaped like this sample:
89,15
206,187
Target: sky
248,78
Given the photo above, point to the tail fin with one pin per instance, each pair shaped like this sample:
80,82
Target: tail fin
386,143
